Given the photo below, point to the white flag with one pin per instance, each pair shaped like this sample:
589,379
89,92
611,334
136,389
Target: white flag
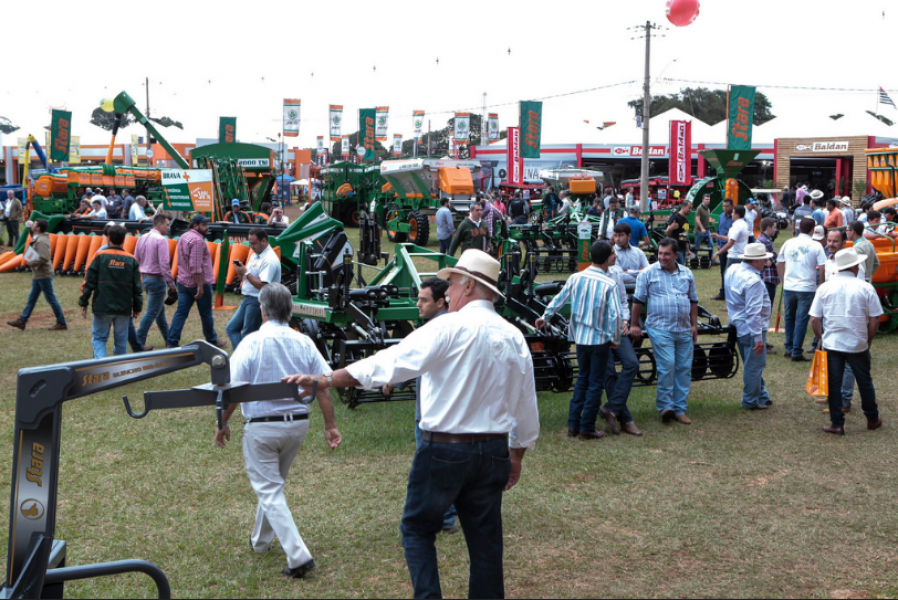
493,126
462,127
291,117
397,144
344,145
380,125
336,121
418,121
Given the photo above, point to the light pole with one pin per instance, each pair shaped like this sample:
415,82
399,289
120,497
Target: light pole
647,30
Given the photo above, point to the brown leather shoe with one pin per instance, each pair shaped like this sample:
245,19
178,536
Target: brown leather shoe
631,428
57,327
611,420
834,430
821,400
220,343
684,419
801,358
573,432
871,425
591,435
667,415
18,324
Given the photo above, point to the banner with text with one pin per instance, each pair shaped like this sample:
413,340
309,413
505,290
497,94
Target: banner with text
135,146
380,133
60,134
493,126
336,121
75,151
227,130
740,115
23,148
679,166
189,190
397,145
418,122
344,146
531,128
515,168
367,135
462,132
291,117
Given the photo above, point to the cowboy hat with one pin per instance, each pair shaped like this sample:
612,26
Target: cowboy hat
816,194
755,251
845,200
819,233
479,266
847,258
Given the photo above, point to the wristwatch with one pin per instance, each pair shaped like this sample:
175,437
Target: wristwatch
329,377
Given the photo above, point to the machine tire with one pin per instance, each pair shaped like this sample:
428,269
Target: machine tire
351,216
396,237
420,228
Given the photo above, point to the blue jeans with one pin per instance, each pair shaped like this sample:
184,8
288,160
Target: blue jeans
156,290
472,476
860,366
618,385
703,238
444,245
796,306
681,257
451,513
754,394
186,298
673,360
102,325
246,320
12,227
847,387
44,286
592,361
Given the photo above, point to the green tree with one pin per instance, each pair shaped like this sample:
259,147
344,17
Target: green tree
705,105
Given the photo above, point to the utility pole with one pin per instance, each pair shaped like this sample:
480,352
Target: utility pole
483,123
429,140
646,114
148,120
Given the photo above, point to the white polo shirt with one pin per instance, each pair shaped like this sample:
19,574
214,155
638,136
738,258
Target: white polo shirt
739,234
802,255
846,304
265,266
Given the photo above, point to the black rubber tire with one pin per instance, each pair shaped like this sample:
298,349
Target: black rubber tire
351,217
396,237
420,228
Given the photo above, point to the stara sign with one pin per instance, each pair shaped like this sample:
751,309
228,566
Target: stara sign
822,147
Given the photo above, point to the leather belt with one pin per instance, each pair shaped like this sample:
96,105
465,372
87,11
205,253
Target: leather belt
461,438
151,275
280,419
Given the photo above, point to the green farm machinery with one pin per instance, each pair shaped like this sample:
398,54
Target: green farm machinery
349,189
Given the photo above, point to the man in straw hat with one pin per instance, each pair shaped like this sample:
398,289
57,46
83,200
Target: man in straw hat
845,316
478,416
748,306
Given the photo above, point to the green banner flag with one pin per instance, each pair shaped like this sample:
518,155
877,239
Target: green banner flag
531,128
367,118
60,134
227,130
740,114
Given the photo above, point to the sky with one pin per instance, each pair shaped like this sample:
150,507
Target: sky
210,59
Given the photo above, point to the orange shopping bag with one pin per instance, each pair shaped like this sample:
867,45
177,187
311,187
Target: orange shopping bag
818,379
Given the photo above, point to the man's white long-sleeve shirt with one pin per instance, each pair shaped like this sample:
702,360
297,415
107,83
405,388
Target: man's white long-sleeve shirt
476,374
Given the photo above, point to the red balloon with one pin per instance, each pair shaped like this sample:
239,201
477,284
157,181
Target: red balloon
682,12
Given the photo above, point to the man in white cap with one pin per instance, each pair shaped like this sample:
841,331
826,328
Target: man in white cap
847,211
797,264
845,316
748,305
478,399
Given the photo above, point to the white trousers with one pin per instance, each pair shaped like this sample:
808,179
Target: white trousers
269,449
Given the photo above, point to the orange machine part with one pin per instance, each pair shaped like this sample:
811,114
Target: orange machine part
456,181
732,190
62,243
70,250
174,262
130,244
216,259
16,262
95,245
583,186
237,252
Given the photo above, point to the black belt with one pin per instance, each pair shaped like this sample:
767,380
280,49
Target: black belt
280,419
460,438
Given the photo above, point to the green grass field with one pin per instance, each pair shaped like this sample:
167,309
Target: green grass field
739,504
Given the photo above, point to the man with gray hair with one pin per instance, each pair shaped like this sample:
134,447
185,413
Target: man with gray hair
138,210
275,429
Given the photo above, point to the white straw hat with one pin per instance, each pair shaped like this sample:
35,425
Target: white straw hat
847,258
477,265
816,195
756,251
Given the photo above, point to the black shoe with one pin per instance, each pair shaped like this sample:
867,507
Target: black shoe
719,297
300,571
667,415
770,403
801,358
450,530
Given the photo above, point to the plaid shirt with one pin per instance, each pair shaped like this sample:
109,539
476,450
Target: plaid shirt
769,274
194,257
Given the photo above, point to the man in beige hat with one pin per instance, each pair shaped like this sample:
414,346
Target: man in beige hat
845,316
748,306
478,417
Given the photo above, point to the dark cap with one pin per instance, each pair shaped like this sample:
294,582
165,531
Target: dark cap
197,219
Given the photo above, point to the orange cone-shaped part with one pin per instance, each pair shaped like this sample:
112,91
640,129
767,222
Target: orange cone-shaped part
216,261
95,246
53,238
174,264
71,250
172,246
16,262
277,250
237,252
7,256
62,242
130,244
81,256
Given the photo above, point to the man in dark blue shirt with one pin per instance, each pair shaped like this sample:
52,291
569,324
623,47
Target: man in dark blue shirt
723,229
638,232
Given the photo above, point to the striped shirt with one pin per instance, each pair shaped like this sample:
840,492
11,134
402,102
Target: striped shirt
266,355
596,311
152,254
669,297
748,303
632,261
194,257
